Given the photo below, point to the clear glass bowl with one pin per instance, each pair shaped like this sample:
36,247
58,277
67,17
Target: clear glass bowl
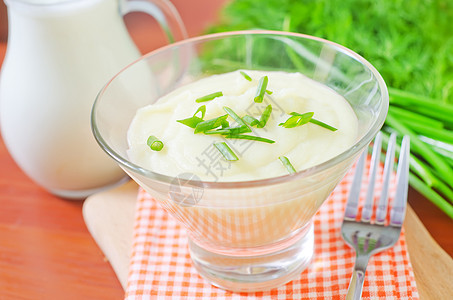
248,235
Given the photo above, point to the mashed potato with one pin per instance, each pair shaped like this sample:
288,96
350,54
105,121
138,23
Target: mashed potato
185,152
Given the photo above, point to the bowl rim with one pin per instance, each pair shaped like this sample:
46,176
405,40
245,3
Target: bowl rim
350,152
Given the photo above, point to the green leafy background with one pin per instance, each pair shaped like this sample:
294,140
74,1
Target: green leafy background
410,42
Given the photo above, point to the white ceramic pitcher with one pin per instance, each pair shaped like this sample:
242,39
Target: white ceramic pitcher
59,55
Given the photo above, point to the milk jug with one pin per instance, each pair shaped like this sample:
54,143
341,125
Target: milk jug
59,55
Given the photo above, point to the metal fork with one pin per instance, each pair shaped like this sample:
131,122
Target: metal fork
366,237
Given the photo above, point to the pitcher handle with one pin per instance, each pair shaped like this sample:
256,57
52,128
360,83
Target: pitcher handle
165,14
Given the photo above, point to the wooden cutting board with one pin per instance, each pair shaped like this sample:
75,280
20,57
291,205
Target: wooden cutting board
109,217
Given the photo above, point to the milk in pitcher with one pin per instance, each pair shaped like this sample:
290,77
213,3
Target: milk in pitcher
59,55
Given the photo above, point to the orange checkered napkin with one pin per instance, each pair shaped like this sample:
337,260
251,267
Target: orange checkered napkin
161,268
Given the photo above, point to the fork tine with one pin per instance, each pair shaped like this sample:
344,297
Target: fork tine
367,209
368,239
353,198
399,208
381,211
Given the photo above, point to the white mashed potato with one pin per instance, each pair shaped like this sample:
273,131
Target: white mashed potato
185,152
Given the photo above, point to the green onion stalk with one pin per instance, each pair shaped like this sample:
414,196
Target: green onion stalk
429,124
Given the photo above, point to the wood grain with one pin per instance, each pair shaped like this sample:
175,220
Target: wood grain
433,267
46,251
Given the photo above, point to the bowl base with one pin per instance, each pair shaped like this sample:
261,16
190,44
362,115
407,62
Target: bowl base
255,273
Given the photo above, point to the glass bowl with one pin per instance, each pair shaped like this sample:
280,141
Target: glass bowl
247,235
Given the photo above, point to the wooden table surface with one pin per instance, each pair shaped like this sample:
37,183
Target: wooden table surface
46,251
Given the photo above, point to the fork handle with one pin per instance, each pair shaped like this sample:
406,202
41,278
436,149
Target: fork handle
358,278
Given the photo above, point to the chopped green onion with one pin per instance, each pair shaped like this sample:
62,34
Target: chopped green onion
225,124
297,120
262,121
201,109
249,137
285,161
193,121
210,124
226,151
228,130
322,124
261,89
236,118
209,97
250,120
154,143
265,116
246,76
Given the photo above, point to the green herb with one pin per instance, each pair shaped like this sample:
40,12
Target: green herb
262,84
209,97
154,143
193,121
322,124
250,120
285,161
246,76
229,130
226,151
235,117
265,116
418,146
249,137
297,120
210,124
201,109
408,41
263,119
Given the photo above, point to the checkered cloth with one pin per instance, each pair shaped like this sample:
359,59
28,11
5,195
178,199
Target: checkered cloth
161,268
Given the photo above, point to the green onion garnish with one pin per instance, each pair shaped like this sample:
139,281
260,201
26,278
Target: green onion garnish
322,124
201,109
262,121
246,76
236,118
285,161
261,89
297,120
226,151
249,137
210,124
228,130
265,116
209,97
154,143
250,120
193,121
269,92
